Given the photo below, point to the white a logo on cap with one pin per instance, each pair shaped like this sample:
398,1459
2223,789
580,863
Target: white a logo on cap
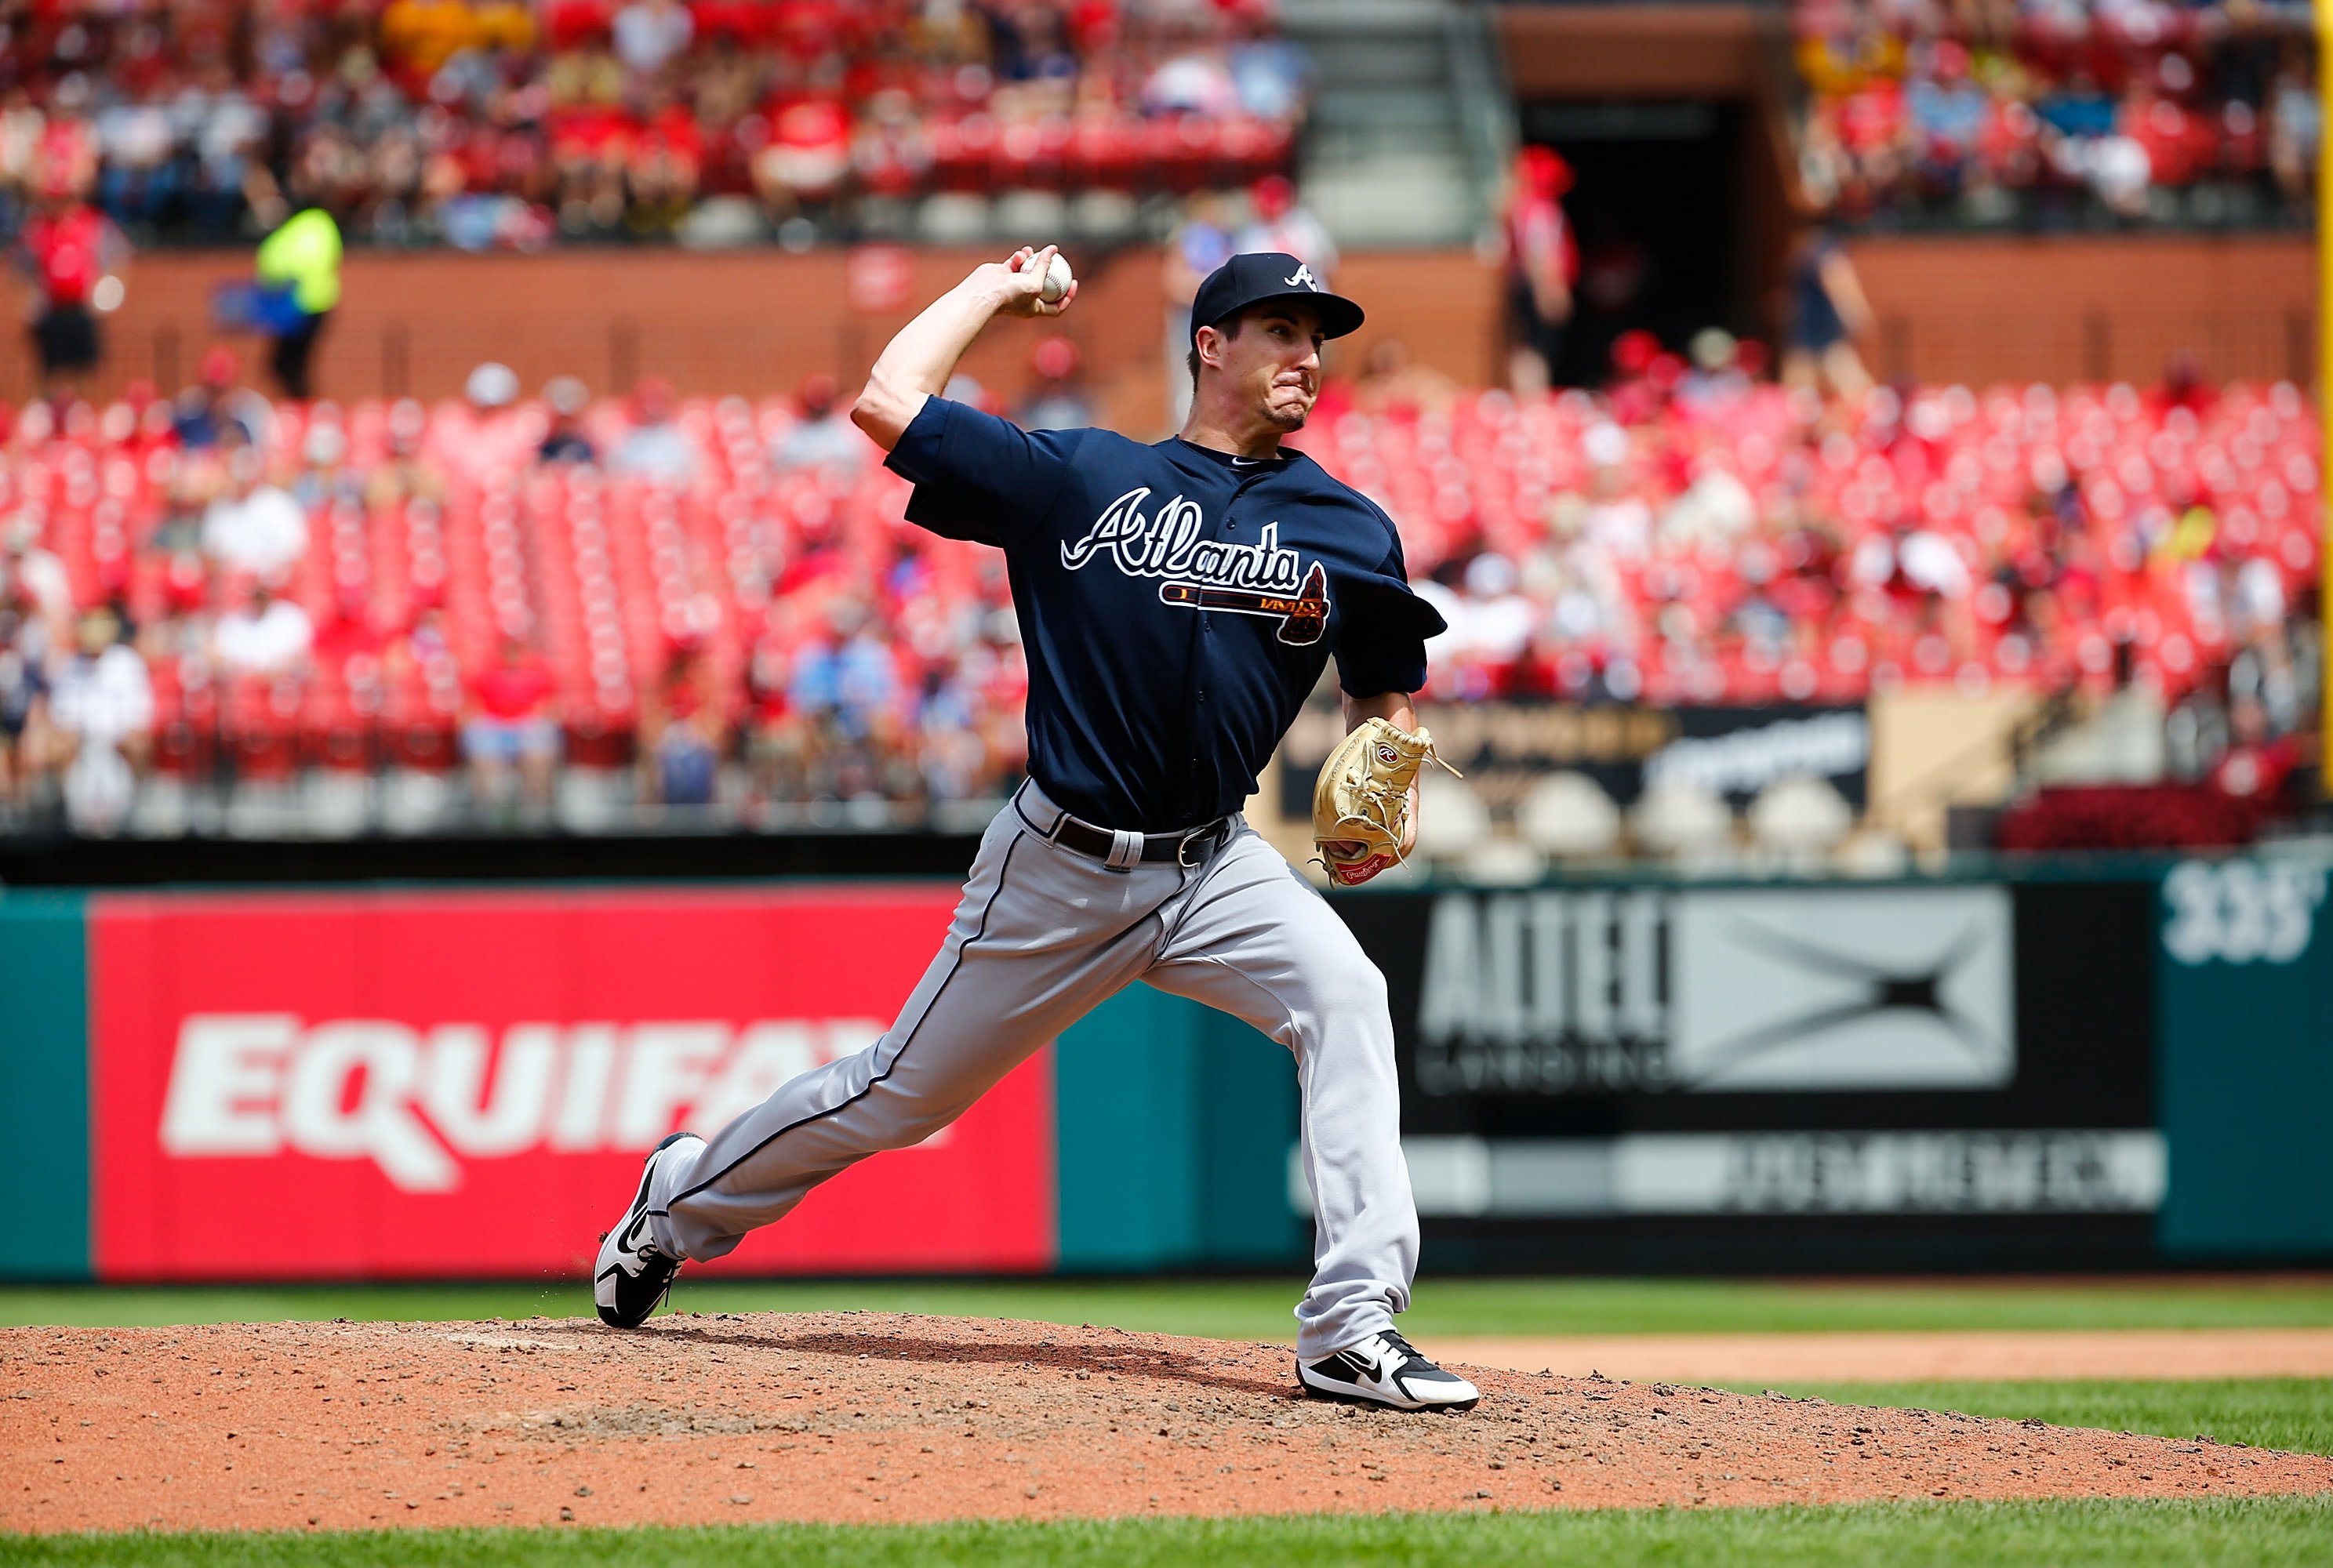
1304,276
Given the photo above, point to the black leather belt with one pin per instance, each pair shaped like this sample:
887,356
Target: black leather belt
1187,847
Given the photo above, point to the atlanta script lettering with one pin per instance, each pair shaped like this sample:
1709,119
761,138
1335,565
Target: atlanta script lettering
1168,544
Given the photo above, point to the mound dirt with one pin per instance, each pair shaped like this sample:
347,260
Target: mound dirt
1985,1355
864,1417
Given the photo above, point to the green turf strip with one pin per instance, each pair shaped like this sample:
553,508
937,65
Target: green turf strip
2294,1414
2264,1531
1254,1309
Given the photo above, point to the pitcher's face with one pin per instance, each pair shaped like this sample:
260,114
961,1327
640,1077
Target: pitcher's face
1274,360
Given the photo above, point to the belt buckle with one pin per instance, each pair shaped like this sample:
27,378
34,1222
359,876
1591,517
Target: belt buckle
1182,845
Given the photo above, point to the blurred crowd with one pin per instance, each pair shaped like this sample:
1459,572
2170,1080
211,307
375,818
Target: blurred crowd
2060,113
500,123
285,609
530,607
1694,533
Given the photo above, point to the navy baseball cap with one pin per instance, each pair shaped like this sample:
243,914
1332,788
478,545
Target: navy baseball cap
1256,276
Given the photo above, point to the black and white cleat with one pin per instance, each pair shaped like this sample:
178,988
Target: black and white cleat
633,1274
1385,1368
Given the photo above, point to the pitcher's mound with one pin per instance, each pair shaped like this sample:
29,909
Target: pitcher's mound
874,1418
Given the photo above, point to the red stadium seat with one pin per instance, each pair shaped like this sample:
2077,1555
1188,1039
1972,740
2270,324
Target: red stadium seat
259,728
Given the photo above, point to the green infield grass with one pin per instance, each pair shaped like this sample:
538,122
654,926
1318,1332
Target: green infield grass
2252,1531
1260,1309
2295,1413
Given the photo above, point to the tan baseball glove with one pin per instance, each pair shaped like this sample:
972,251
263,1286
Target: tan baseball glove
1361,803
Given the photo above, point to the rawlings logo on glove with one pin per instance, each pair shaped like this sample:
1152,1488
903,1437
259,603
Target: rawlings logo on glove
1361,803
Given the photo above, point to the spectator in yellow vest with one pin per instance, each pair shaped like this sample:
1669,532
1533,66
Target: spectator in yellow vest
301,259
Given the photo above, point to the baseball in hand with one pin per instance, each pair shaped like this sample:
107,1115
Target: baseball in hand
1057,280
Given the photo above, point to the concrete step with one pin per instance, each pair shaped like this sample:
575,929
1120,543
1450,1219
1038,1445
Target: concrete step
1424,110
1387,152
1327,16
1392,200
1375,63
1365,143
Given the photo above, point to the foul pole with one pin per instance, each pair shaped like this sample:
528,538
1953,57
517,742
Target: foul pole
2323,10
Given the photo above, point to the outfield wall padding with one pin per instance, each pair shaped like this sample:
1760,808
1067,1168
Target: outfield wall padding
1173,1122
2247,1067
45,1156
2130,1067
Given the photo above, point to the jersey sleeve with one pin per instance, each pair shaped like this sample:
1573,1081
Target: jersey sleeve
979,477
1381,643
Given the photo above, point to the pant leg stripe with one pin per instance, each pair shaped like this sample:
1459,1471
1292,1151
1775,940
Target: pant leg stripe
834,1110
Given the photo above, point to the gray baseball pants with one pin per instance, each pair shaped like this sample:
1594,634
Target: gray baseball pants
1043,935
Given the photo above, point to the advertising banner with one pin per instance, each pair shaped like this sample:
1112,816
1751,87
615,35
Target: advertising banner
1793,1075
336,1085
1505,747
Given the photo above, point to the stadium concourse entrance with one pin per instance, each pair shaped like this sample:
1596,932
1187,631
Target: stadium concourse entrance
1655,209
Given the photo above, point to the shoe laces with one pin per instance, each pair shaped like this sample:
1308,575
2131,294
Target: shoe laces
1401,1345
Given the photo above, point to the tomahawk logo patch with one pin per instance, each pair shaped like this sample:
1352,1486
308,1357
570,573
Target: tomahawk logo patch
1265,579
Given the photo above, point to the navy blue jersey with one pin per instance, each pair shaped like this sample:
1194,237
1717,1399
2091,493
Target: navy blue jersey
1176,603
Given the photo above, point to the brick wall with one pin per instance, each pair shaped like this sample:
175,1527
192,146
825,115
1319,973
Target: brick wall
2091,309
751,322
1967,310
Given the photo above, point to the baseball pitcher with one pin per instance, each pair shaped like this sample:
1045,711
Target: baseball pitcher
1178,603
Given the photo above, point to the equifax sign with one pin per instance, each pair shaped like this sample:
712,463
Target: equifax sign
448,1085
418,1103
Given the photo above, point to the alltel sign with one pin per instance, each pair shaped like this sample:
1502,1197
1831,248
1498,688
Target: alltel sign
291,1086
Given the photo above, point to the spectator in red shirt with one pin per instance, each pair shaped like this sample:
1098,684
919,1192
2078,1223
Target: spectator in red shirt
2162,127
808,155
349,639
660,178
682,733
1542,266
777,743
2183,386
2255,766
67,247
1871,131
513,723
